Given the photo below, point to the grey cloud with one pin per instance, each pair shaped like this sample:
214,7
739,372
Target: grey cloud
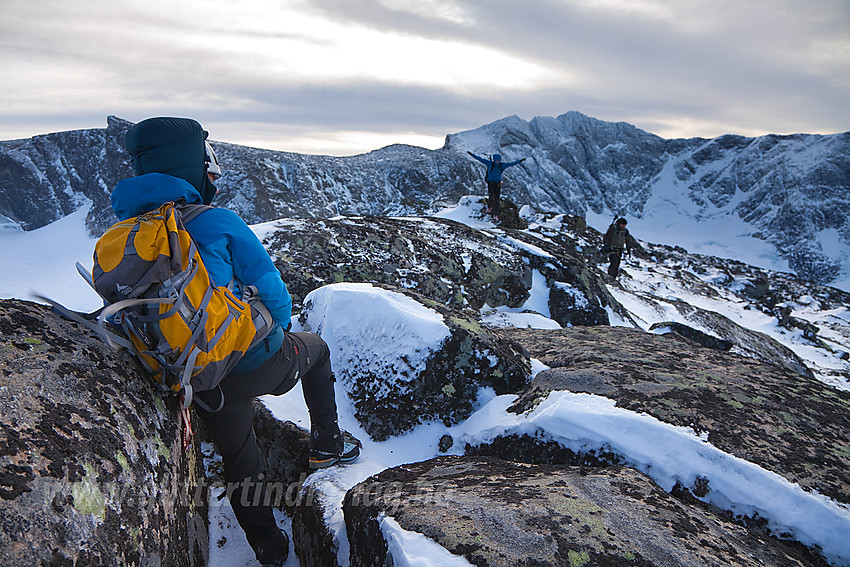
729,53
750,65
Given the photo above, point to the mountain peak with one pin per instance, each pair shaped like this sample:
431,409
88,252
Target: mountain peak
785,191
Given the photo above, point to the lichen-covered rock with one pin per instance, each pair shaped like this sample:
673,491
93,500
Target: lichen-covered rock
503,514
443,260
785,422
92,465
430,364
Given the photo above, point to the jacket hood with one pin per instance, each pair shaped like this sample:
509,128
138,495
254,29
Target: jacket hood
174,146
497,157
138,195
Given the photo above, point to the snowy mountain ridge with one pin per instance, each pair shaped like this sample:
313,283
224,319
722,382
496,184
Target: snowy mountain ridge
780,202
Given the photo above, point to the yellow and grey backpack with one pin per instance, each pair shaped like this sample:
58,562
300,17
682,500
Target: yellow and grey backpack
187,332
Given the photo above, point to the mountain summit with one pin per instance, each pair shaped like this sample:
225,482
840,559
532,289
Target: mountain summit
789,194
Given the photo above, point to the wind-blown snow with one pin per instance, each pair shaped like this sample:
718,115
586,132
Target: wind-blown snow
352,317
468,211
412,549
670,454
534,313
580,422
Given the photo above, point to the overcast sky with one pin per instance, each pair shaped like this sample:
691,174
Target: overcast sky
348,76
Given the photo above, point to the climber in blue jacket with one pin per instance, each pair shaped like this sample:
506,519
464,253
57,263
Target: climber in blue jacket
495,167
172,160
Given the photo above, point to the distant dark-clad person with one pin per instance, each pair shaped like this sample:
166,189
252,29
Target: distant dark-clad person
495,167
616,240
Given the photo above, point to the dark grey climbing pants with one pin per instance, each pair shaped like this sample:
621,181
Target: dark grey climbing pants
614,258
494,196
302,356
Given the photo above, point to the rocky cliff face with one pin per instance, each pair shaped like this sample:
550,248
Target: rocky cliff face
47,177
790,190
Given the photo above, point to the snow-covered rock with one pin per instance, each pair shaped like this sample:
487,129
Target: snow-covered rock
483,267
485,511
404,360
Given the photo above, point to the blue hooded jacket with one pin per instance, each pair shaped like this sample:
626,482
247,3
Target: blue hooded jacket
495,166
228,247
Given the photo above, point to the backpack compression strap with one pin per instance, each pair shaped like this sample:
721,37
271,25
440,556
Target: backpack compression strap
115,340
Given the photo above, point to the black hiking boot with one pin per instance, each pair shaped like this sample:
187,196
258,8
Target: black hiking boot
273,552
350,451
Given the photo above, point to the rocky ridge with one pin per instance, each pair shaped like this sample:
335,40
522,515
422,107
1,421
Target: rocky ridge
790,190
770,406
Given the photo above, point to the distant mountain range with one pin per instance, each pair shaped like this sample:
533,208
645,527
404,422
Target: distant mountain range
791,191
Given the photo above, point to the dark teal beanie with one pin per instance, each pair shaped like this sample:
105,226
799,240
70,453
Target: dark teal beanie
173,146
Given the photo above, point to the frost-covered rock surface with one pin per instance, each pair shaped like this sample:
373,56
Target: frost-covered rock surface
92,465
430,367
788,192
483,267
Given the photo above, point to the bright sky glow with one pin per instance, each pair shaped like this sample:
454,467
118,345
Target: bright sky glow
342,77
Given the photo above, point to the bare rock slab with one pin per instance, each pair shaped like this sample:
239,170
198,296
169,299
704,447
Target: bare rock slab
497,513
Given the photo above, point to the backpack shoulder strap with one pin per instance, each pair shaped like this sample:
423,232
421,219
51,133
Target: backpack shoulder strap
189,211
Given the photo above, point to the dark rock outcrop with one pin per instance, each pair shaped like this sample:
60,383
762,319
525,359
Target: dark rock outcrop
498,513
744,341
784,422
92,465
695,335
313,539
443,260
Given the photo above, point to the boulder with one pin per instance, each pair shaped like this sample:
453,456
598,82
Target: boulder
503,514
406,359
444,260
94,471
784,422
